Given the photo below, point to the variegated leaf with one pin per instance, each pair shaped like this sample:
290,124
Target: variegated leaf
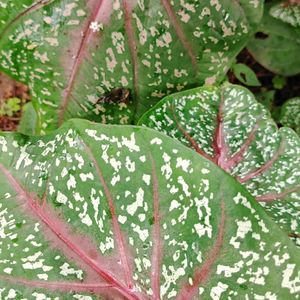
106,212
287,11
73,52
229,127
290,114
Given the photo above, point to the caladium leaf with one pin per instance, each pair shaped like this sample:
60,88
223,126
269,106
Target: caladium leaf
109,212
287,11
276,45
229,127
73,54
290,114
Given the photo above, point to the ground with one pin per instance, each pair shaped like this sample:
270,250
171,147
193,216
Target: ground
9,88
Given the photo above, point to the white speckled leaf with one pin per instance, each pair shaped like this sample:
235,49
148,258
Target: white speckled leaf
229,127
276,46
96,211
288,13
290,114
150,47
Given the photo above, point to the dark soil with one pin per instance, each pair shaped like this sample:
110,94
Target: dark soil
10,88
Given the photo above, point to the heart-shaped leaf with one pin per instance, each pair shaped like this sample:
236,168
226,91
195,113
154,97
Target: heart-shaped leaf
245,75
110,61
109,212
276,45
229,127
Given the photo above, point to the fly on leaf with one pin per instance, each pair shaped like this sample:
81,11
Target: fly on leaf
118,95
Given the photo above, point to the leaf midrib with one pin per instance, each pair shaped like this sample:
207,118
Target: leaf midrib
86,38
226,162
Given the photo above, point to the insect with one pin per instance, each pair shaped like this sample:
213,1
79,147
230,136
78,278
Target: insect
118,95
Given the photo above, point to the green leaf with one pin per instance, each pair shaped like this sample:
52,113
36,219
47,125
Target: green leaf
28,120
245,75
288,13
279,82
74,54
101,212
290,114
229,127
9,106
276,46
